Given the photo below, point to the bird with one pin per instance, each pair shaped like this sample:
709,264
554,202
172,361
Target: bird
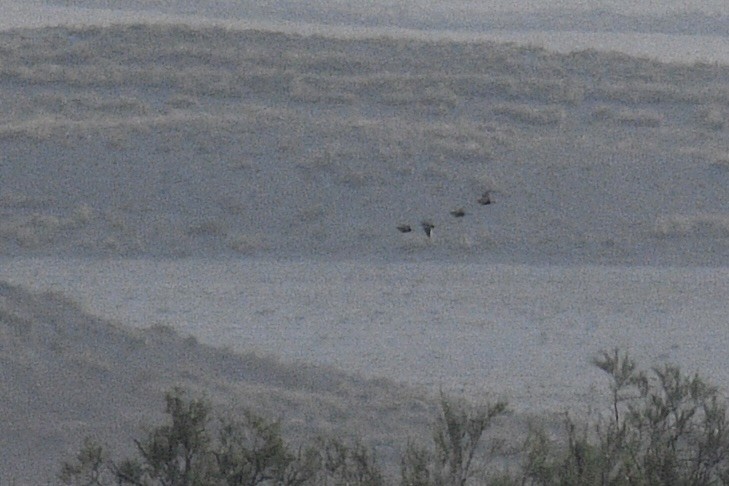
485,198
458,213
404,228
428,228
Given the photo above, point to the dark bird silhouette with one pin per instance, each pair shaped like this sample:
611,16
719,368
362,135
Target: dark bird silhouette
404,228
428,228
485,198
458,213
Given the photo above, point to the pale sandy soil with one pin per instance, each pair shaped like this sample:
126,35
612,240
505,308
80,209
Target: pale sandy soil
522,333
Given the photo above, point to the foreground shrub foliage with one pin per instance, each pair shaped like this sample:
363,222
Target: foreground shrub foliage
660,427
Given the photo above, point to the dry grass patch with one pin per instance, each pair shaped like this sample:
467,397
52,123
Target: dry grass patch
247,244
16,200
319,159
714,225
627,117
206,228
638,92
721,161
459,140
40,229
550,115
311,214
712,117
243,163
419,92
182,102
316,90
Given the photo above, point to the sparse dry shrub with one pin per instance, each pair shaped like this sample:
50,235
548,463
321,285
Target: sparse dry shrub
627,117
249,449
117,221
76,105
311,214
639,119
17,200
206,228
89,362
318,90
488,87
266,81
440,96
550,91
341,463
711,117
354,177
39,128
90,466
80,216
637,92
243,163
721,161
219,84
122,106
460,140
416,242
710,155
325,158
537,90
38,74
403,90
661,428
473,149
103,74
34,231
420,92
160,331
483,181
604,113
334,63
531,115
118,139
438,170
123,236
393,90
459,455
247,244
233,205
111,244
714,225
482,239
182,101
23,236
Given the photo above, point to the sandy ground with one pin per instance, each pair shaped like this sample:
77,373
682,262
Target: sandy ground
522,333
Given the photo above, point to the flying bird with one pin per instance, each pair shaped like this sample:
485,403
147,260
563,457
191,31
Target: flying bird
485,198
428,228
458,213
404,228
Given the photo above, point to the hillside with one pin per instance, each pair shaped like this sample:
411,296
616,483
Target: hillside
172,141
67,375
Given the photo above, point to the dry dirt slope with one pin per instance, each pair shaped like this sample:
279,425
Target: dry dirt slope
65,374
175,141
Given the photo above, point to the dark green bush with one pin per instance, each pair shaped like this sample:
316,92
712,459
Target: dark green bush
659,427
